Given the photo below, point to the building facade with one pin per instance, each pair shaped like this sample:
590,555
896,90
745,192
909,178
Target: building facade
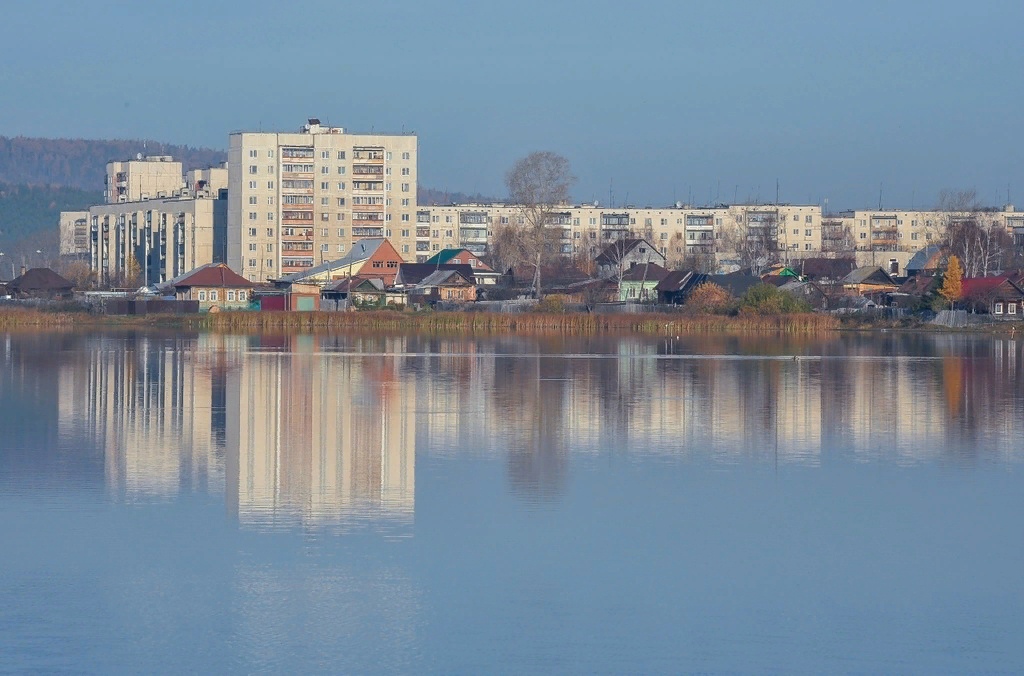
74,233
296,200
146,177
154,241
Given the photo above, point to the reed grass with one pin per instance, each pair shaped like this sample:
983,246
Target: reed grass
449,323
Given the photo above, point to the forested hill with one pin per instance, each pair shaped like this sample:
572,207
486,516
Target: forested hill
81,163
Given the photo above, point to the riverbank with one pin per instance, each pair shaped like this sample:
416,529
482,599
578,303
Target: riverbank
485,323
449,323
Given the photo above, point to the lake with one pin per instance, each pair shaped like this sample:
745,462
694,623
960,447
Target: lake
352,503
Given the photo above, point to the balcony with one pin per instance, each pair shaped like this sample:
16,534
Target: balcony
367,232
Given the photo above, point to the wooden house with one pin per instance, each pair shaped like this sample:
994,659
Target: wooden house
215,286
999,296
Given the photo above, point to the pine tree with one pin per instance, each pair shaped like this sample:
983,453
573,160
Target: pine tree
952,281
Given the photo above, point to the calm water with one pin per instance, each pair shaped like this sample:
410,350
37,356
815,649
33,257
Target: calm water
311,504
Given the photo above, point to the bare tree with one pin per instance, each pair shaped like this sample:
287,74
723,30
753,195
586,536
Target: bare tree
972,235
537,184
756,247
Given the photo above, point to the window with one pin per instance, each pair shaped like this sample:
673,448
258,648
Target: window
202,295
324,201
325,185
405,171
447,219
863,235
405,201
664,235
325,170
270,153
341,247
270,247
213,295
341,217
388,155
999,308
647,221
807,233
252,262
405,187
252,199
252,246
341,232
796,217
796,231
341,201
270,185
405,248
253,153
405,233
252,232
325,247
405,156
807,247
231,295
252,185
341,170
253,169
270,168
341,154
809,219
1011,308
270,232
913,236
270,215
405,217
323,232
252,216
341,186
270,262
270,200
325,155
242,294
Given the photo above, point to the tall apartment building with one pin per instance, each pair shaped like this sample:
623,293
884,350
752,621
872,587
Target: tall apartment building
298,199
146,177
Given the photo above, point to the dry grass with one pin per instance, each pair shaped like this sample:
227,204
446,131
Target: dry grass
448,323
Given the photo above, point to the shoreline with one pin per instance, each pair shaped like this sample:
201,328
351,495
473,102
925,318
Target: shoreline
485,323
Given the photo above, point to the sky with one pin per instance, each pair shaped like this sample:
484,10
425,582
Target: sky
652,102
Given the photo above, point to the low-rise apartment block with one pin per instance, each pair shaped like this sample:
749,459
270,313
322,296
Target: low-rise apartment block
298,199
153,241
74,233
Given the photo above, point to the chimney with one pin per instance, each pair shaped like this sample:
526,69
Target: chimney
23,270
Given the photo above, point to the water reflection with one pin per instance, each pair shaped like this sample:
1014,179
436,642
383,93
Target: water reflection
318,431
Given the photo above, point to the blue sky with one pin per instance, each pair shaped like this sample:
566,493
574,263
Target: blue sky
664,100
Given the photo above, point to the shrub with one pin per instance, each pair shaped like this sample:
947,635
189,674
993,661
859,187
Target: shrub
765,299
553,303
709,298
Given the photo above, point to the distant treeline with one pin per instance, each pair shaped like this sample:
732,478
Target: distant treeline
81,163
29,214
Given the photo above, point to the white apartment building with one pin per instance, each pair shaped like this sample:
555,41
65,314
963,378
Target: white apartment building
159,239
74,233
298,199
679,231
146,177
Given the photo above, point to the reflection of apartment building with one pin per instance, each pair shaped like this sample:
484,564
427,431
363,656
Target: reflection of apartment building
299,199
153,411
316,439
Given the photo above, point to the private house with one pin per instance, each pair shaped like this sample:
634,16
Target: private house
215,286
870,280
373,257
296,297
483,273
927,261
913,291
998,296
639,282
621,255
827,271
452,286
736,283
808,291
675,287
41,283
361,290
412,274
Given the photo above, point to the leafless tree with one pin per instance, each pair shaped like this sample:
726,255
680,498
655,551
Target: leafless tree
537,185
756,247
969,232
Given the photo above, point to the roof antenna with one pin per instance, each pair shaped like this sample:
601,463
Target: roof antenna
880,196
